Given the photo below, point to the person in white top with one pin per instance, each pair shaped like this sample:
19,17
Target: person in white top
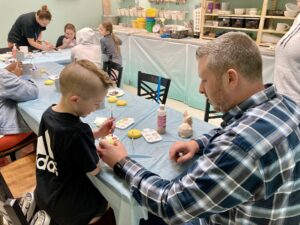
287,62
88,47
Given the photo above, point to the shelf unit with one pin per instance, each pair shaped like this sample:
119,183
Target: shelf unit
259,31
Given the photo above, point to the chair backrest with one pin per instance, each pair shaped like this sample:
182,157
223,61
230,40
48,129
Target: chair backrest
210,114
144,87
114,71
31,139
4,50
23,212
12,213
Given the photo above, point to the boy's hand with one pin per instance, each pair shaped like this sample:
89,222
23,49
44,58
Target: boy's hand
107,128
111,154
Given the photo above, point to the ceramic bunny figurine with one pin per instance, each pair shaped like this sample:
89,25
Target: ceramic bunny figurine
185,129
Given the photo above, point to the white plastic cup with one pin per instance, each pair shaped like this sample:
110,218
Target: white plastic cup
24,49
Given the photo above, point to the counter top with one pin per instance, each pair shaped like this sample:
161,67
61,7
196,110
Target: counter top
194,41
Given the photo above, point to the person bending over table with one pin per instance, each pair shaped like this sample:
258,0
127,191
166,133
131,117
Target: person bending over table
66,150
245,172
27,30
14,89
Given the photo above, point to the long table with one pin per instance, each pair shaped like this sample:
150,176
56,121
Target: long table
171,58
153,156
62,56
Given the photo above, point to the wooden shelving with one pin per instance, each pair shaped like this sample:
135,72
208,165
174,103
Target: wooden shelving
232,15
273,31
262,9
231,28
280,17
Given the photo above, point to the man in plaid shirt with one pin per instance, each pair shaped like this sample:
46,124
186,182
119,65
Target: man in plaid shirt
248,170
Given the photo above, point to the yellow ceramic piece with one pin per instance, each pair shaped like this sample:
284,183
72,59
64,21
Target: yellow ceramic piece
112,99
134,133
43,70
49,82
111,139
121,103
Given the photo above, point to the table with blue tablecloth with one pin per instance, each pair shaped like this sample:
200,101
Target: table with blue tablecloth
154,156
171,58
62,57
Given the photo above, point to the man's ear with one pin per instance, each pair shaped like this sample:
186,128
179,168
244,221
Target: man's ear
232,78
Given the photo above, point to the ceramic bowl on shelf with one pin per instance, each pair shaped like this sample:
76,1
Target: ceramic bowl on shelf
239,11
291,7
252,11
290,13
224,12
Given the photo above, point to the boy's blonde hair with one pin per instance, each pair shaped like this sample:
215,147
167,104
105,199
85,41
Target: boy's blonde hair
83,78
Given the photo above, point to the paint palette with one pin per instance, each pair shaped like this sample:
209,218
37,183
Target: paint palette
151,135
124,123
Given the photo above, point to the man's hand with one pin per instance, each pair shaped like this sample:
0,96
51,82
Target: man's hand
15,68
181,151
111,154
106,128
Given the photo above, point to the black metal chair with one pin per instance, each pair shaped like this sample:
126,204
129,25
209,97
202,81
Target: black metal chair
114,71
32,139
210,114
145,87
4,50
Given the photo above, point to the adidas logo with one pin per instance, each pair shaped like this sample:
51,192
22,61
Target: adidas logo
45,159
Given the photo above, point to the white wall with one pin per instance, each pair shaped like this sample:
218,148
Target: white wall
79,12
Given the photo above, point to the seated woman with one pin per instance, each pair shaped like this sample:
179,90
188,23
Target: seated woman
13,129
88,47
67,40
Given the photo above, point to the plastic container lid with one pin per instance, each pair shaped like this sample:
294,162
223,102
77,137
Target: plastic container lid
150,19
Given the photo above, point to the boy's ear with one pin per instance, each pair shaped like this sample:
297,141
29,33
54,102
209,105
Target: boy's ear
73,98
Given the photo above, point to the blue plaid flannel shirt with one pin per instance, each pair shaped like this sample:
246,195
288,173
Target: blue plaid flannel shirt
247,171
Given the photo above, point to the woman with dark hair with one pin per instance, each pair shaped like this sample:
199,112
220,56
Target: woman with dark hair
27,30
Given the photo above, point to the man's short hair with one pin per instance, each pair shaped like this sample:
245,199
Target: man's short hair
233,50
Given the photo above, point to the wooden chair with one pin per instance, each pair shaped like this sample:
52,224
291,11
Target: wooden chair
210,114
16,178
145,87
32,139
114,71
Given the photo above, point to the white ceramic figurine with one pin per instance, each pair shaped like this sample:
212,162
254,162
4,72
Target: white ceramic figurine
185,129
